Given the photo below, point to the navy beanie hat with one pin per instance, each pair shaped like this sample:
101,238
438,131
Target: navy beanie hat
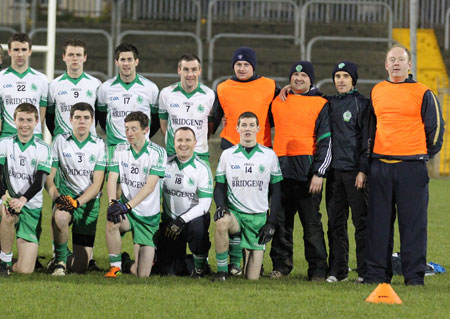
303,66
348,67
244,54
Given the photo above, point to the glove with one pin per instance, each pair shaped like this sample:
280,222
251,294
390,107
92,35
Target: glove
266,233
220,212
67,203
174,228
9,208
115,210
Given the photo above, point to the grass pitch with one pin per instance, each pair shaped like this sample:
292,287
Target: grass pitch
91,296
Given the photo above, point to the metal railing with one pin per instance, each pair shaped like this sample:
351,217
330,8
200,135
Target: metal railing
108,37
241,36
351,39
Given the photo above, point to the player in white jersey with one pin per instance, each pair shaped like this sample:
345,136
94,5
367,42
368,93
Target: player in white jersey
80,160
21,84
244,175
137,166
125,93
25,163
187,196
72,87
187,103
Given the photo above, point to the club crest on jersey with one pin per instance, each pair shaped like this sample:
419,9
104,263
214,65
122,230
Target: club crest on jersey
190,182
34,87
146,170
89,93
200,108
140,99
261,168
33,162
347,116
92,159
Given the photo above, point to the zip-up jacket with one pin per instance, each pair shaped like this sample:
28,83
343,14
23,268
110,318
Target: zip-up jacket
407,121
348,122
302,135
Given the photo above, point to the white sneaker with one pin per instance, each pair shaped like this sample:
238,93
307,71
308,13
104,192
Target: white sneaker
331,279
59,269
359,280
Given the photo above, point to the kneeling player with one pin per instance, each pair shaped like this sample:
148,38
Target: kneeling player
24,163
244,175
80,161
139,164
187,195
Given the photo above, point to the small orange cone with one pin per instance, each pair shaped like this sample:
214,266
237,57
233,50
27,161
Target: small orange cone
384,294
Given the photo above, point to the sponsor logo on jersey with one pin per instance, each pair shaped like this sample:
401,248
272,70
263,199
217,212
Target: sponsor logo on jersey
176,193
235,167
65,108
18,175
114,98
117,113
187,122
174,105
77,172
67,154
12,157
124,164
19,100
7,86
62,93
247,183
135,184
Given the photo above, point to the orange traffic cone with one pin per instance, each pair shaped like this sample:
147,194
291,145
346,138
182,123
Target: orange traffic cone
384,294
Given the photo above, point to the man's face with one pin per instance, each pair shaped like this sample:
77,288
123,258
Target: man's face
25,123
397,64
189,72
243,70
247,129
127,64
135,133
185,142
19,53
300,82
74,58
81,122
343,82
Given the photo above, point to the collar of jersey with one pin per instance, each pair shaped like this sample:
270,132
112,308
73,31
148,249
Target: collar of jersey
74,80
348,93
81,144
179,88
142,151
127,86
241,149
20,75
22,146
183,165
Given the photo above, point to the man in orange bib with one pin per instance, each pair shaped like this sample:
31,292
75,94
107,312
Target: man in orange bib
408,132
303,145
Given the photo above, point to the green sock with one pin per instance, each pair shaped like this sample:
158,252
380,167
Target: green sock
222,261
199,261
61,252
235,250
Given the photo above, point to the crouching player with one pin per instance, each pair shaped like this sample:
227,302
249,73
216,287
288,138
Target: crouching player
139,164
245,174
80,161
187,196
24,165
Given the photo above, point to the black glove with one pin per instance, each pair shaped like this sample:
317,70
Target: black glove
174,228
266,233
115,210
67,203
220,212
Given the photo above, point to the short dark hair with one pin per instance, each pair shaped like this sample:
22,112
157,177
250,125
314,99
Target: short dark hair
398,45
126,47
189,57
81,106
137,116
248,115
19,37
26,108
185,128
74,43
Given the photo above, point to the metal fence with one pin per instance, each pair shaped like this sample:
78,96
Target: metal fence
432,12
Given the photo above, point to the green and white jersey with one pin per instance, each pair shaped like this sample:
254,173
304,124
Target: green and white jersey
183,185
118,99
247,176
21,162
64,92
193,109
16,88
76,162
133,169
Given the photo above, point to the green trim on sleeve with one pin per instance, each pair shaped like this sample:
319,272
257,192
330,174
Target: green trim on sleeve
220,179
324,136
